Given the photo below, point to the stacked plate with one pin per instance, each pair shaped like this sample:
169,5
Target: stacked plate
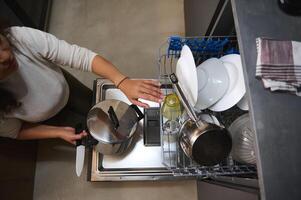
216,84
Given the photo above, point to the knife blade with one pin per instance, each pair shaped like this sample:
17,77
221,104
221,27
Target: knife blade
80,158
80,152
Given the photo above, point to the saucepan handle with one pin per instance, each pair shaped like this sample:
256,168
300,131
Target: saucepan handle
138,111
88,140
186,104
113,117
78,130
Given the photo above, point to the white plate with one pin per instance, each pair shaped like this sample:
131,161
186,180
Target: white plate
236,89
243,103
213,82
187,75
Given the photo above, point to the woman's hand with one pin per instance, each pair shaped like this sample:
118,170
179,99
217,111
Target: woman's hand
31,131
68,134
144,89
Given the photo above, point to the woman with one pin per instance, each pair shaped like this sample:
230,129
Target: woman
34,90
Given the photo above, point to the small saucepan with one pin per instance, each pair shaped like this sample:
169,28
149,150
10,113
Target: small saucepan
207,144
111,125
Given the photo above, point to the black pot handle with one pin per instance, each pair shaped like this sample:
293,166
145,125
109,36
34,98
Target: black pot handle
173,78
113,117
138,111
87,141
78,130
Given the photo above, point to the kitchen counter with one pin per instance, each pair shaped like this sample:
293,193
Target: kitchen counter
275,116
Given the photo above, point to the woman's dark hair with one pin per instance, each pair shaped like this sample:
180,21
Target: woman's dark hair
8,101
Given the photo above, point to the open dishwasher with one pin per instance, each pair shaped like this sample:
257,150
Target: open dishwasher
156,153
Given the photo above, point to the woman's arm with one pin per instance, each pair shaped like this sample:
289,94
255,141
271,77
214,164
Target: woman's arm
133,89
35,131
63,53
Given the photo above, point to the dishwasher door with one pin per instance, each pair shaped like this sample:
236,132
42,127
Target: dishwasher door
140,162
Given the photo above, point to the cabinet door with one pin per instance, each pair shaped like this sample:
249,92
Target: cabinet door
31,13
198,15
209,190
17,169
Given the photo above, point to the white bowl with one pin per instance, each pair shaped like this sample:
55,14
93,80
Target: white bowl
236,89
213,82
243,103
243,140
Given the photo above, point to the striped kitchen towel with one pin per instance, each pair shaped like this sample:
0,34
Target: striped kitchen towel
279,64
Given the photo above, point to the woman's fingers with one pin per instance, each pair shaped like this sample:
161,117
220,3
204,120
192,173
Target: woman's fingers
152,82
149,97
139,103
152,93
153,89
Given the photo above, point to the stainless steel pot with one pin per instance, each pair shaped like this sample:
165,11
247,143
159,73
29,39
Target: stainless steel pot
207,144
113,123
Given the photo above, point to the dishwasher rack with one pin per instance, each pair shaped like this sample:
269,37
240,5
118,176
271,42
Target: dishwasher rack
172,155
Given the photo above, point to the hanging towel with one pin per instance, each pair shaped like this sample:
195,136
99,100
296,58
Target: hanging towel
279,64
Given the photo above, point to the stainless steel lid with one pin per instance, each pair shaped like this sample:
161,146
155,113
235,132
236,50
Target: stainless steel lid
103,128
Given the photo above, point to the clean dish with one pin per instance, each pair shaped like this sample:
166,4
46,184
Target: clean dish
209,119
243,103
187,77
243,140
236,89
213,82
186,53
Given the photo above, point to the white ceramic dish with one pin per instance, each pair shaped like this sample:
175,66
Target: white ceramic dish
243,103
236,89
187,75
213,82
209,118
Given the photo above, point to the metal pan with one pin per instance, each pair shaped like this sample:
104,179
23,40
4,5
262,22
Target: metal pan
207,144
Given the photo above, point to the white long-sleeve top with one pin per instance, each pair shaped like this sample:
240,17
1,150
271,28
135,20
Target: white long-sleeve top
39,83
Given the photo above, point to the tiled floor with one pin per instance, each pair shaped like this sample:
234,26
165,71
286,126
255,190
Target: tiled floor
129,33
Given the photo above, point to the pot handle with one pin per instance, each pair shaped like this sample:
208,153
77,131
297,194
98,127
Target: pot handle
78,130
87,141
113,117
189,108
138,111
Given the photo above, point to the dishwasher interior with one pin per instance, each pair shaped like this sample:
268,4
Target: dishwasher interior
156,154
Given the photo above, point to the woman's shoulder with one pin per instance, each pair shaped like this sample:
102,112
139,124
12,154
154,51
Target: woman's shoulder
25,38
23,32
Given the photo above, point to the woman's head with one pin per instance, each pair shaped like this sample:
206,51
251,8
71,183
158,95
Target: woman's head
8,63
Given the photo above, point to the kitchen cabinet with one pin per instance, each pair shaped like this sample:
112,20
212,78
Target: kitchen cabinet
275,116
31,13
209,18
198,15
17,169
209,189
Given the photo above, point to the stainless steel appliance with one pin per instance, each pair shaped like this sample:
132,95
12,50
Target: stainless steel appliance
153,162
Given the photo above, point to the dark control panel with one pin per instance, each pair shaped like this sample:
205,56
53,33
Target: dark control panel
151,131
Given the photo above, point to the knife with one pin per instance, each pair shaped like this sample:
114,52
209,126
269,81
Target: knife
80,152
